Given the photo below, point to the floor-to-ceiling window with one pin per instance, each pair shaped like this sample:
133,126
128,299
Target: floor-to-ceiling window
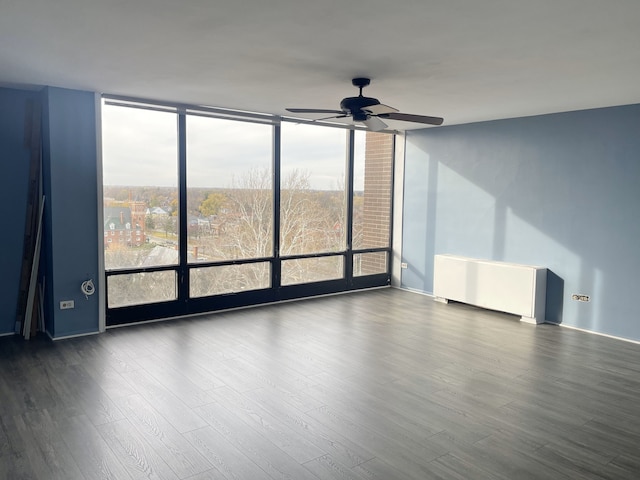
229,205
312,203
140,179
206,209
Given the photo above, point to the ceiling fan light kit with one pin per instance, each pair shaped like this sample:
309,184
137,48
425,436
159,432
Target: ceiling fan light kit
368,110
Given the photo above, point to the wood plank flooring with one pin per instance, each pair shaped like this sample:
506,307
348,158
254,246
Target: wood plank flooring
383,384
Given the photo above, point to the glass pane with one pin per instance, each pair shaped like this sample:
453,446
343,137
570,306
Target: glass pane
138,288
229,189
307,270
369,263
312,202
373,175
140,187
229,279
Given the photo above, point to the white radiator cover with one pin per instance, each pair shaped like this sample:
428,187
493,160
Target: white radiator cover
506,287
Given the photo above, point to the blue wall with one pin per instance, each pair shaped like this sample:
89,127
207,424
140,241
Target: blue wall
70,241
560,191
14,158
71,223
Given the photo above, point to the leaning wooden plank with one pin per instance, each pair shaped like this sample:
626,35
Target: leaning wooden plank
32,141
33,281
41,324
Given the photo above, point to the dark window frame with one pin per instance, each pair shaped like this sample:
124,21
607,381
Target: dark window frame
185,305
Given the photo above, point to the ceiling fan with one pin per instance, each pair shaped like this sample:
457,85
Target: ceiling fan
368,110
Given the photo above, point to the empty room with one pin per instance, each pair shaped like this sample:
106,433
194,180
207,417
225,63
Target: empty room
319,240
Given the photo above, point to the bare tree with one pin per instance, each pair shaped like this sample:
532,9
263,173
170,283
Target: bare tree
296,206
251,200
139,288
118,255
310,222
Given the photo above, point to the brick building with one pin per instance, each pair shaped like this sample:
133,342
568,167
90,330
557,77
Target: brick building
125,225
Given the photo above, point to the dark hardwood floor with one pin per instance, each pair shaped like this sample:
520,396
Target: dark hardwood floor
383,384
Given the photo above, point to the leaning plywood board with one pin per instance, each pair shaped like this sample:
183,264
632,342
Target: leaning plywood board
33,279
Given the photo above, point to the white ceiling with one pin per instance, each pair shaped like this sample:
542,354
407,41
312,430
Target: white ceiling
464,60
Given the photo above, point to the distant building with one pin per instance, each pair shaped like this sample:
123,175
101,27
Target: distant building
157,212
199,226
125,225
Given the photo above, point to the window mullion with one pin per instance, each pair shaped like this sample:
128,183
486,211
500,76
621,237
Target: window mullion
276,268
348,270
183,271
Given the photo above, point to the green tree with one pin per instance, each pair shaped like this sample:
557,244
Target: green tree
212,204
173,206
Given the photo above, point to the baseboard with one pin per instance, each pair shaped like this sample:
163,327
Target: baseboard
614,337
245,307
65,337
412,290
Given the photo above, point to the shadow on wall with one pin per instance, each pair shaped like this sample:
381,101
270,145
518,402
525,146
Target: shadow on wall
554,299
558,190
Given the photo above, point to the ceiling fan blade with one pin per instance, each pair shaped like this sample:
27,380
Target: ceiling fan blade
331,117
407,117
375,124
313,110
380,109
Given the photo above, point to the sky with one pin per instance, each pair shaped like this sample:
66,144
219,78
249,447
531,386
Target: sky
140,149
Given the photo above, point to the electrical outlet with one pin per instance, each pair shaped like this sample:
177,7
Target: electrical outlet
67,304
581,298
404,265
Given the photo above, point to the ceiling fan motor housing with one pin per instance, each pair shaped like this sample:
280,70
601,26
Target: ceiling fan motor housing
354,106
